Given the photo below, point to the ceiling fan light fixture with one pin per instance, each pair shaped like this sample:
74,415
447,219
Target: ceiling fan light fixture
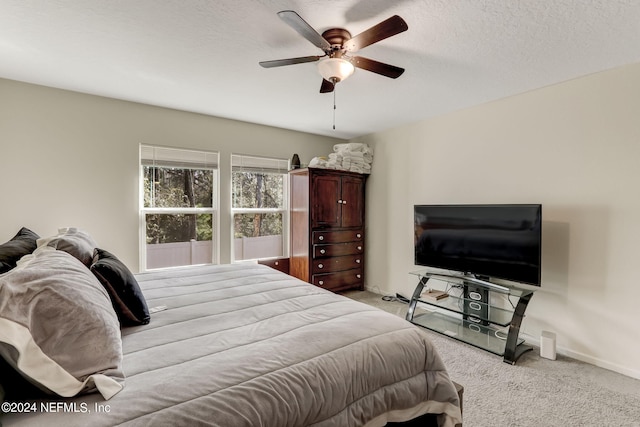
335,69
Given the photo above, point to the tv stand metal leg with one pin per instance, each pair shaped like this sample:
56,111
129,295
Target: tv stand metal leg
513,351
415,297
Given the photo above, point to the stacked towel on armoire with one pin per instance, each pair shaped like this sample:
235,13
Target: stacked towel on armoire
352,156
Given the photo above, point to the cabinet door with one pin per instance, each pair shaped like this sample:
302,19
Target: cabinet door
352,202
325,211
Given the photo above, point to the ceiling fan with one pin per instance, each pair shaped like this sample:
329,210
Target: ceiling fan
338,47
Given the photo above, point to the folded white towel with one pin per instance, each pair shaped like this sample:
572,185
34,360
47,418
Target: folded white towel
351,146
352,156
318,162
335,157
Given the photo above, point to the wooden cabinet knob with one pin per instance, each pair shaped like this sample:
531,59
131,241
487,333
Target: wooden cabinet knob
358,235
339,201
358,261
359,248
358,276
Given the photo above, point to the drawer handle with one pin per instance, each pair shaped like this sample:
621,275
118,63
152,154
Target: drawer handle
358,235
276,263
321,282
322,251
344,202
320,266
321,238
358,276
339,201
357,261
359,248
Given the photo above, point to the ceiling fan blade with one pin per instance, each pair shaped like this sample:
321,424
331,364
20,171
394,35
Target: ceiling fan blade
290,61
296,22
377,67
381,31
327,86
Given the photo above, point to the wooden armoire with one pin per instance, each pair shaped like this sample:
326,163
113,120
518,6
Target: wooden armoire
327,228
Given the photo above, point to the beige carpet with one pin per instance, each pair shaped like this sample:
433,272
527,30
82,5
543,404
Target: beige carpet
535,391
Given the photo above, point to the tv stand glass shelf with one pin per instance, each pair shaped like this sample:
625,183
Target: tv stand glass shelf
483,314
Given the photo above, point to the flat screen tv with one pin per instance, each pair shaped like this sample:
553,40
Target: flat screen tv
484,241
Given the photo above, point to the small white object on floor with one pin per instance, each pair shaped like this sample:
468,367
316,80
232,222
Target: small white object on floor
548,345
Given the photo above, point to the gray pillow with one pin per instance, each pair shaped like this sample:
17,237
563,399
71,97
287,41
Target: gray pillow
58,328
73,241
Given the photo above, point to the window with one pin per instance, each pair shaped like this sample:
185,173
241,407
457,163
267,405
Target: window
259,207
178,207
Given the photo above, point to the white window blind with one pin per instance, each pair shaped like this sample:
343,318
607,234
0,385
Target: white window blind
258,164
177,158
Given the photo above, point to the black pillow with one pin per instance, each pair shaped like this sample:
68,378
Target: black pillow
20,245
124,291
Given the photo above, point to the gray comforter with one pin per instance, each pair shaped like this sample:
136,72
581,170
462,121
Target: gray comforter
245,345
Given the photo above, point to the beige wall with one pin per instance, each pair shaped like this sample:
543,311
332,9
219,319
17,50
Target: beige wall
575,148
68,159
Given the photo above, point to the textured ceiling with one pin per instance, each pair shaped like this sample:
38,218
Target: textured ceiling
203,56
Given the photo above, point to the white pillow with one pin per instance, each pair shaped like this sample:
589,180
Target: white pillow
73,241
58,327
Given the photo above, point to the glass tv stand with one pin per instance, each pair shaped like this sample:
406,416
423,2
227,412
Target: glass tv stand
483,313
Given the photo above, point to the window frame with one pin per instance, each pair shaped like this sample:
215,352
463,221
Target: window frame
284,210
214,210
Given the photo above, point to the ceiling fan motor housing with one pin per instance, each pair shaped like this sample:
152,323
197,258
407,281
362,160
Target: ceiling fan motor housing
336,38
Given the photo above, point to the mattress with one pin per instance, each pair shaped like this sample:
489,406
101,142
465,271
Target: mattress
246,345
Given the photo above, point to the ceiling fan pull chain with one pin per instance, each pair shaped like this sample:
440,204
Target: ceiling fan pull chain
334,108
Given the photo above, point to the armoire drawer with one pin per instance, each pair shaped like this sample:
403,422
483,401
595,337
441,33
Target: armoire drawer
338,249
281,264
337,236
338,263
338,280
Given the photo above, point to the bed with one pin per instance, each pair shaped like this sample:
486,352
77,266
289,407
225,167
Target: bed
246,345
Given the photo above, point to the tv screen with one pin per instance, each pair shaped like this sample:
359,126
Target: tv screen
499,241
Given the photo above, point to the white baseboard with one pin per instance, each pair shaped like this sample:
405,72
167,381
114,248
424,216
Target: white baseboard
633,373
